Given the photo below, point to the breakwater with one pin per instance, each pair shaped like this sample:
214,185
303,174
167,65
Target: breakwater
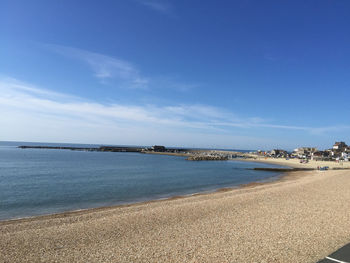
282,169
60,148
90,149
192,154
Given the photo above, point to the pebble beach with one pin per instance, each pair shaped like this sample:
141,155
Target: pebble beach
302,217
295,162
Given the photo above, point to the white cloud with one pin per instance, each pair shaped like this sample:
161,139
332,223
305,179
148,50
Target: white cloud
34,114
107,69
162,6
32,100
120,73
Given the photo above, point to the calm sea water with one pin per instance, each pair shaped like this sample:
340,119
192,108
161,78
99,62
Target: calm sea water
37,181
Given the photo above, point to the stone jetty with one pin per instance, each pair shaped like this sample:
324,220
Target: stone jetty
92,149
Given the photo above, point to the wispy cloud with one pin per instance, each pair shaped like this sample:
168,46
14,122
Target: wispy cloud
26,97
162,6
27,109
106,68
120,73
270,57
174,83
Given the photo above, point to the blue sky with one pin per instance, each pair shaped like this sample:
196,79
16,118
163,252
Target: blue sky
223,74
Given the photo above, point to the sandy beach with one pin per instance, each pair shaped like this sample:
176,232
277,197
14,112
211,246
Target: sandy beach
300,218
296,163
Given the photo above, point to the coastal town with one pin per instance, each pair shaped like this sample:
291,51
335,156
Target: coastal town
338,153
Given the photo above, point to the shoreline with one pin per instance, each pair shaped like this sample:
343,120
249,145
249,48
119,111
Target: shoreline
267,181
301,217
280,177
270,180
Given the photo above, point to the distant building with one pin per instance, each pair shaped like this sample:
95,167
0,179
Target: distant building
158,148
279,153
304,151
339,146
345,156
321,156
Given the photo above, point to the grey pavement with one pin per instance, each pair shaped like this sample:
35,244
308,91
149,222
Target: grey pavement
342,255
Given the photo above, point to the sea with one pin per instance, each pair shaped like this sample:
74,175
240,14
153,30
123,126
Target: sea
45,181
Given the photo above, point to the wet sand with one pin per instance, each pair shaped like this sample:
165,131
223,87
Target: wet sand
301,218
